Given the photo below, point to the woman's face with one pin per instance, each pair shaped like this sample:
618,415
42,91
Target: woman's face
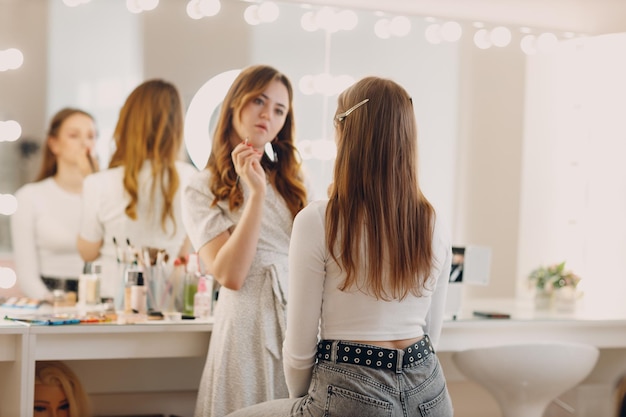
263,117
50,401
75,139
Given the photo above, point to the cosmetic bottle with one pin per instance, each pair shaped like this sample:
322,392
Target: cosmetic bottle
138,295
203,299
191,283
89,285
93,285
130,279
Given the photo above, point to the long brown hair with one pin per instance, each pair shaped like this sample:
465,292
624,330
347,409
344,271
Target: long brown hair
49,162
375,202
285,173
150,127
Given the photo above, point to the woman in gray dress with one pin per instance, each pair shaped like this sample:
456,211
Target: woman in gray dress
238,213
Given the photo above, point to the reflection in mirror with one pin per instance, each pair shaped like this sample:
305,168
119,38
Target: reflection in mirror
474,113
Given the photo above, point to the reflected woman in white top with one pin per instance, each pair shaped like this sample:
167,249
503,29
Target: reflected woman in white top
368,275
137,199
44,227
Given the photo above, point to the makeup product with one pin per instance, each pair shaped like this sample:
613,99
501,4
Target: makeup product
191,283
131,278
203,300
93,284
138,296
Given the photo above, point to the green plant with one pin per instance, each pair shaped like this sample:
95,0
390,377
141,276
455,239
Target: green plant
552,277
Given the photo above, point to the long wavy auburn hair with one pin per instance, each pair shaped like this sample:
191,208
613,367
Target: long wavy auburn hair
379,225
285,173
150,127
49,162
59,374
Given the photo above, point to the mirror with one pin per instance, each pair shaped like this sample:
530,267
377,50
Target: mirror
470,103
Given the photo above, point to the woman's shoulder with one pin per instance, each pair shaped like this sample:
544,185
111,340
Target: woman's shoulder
441,232
185,168
106,175
199,179
37,188
314,210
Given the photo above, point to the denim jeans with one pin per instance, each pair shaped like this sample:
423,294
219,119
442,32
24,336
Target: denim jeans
344,390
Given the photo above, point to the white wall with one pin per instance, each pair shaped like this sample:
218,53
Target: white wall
573,196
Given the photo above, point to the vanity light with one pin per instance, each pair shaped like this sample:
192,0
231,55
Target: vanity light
528,44
138,6
500,36
399,26
266,12
251,15
347,19
8,277
8,204
307,22
197,9
327,19
381,29
546,42
481,39
451,31
10,131
133,6
74,3
148,5
11,59
201,111
433,34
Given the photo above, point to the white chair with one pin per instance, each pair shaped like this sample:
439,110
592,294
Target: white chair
526,378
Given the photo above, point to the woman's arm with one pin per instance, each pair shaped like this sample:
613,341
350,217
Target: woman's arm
226,249
230,255
307,274
434,319
89,251
89,240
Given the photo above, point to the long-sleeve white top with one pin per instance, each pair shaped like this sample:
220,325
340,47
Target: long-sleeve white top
43,231
317,308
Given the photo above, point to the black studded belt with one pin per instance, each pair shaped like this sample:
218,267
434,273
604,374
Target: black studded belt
373,356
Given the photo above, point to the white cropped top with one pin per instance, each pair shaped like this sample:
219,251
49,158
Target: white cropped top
317,308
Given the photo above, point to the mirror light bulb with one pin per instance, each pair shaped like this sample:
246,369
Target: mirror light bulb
8,277
251,15
500,36
268,12
481,39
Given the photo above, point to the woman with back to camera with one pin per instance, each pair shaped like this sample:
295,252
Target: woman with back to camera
44,227
369,270
238,213
137,199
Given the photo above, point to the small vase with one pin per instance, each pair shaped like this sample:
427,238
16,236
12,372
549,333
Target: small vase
565,299
543,300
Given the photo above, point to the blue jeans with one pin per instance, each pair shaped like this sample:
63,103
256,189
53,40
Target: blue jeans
345,389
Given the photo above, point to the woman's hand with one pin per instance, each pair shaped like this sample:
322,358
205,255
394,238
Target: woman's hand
88,164
247,161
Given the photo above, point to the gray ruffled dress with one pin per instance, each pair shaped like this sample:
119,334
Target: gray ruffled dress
244,362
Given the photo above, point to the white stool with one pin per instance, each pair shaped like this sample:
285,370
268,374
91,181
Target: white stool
526,378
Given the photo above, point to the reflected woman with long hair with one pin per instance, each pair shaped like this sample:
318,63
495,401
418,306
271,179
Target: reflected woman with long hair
44,227
137,199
